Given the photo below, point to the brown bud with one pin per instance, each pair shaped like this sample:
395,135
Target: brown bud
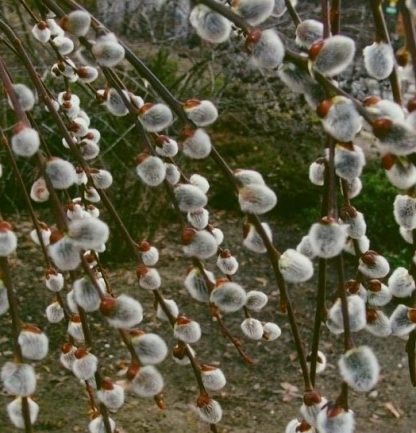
388,160
252,38
368,258
106,384
323,108
381,127
371,100
179,351
412,315
315,48
146,107
372,315
144,246
66,347
81,352
56,235
374,285
327,220
311,397
182,320
191,103
5,226
188,234
108,305
352,286
141,270
225,254
133,369
348,212
411,104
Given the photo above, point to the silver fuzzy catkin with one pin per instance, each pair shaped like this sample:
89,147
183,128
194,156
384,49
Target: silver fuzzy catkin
102,179
356,315
401,283
228,296
327,238
24,95
311,410
54,281
209,410
115,103
171,307
271,331
166,146
86,294
394,136
108,51
196,144
373,265
150,348
125,312
200,244
8,239
149,278
212,377
61,173
189,197
39,192
379,60
210,25
404,211
247,177
227,263
199,181
333,419
349,161
25,142
256,300
97,425
4,301
378,294
253,11
334,55
151,170
54,312
111,395
268,50
252,239
252,328
295,426
359,368
201,113
355,221
155,117
33,343
148,382
400,321
88,233
41,32
363,244
256,199
85,365
317,172
402,174
18,379
15,412
173,175
196,284
186,330
378,324
67,355
295,267
307,32
77,22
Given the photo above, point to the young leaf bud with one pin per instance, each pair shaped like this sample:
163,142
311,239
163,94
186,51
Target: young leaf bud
296,426
247,177
196,285
212,377
108,51
227,263
24,95
4,301
320,362
64,252
54,280
88,233
41,32
150,348
67,356
199,218
395,137
199,181
342,121
172,308
85,294
186,330
15,412
256,199
378,324
256,300
327,237
61,173
404,211
97,425
63,44
266,47
271,331
356,225
253,241
155,117
349,161
402,321
85,364
122,312
304,247
252,328
149,254
253,11
333,55
317,172
295,267
196,143
210,25
25,141
401,283
208,410
372,265
150,169
18,379
115,103
166,146
334,419
75,329
378,294
312,405
307,32
111,395
400,172
200,244
149,278
33,343
228,296
39,192
359,368
77,22
148,382
379,60
201,113
8,239
173,175
356,315
54,312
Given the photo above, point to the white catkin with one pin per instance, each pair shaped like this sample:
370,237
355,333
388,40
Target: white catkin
210,25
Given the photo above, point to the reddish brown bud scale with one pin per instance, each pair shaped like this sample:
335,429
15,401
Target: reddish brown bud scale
108,305
160,401
188,234
144,246
141,157
374,285
381,127
146,107
5,226
56,235
81,352
141,270
315,49
203,399
327,220
334,411
352,286
388,160
402,57
207,367
348,212
50,271
63,22
89,257
371,100
372,315
182,320
67,105
221,280
369,257
311,397
179,351
42,25
186,133
136,333
225,254
323,108
412,315
411,104
19,127
132,370
106,384
66,348
75,318
191,103
253,37
31,328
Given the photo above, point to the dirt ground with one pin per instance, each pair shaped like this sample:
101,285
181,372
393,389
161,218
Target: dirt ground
258,398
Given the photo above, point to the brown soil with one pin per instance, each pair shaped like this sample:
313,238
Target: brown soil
261,397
